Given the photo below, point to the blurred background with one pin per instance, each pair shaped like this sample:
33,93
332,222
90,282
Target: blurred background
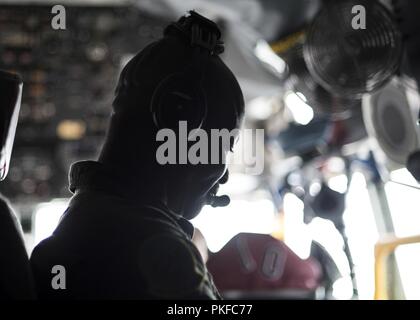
333,215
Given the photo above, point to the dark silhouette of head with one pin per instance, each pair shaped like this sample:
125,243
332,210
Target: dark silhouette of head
130,147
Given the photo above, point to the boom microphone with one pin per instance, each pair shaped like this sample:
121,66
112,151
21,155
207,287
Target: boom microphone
218,201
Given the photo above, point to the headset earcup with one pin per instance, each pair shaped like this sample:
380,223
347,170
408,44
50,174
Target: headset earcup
178,98
390,118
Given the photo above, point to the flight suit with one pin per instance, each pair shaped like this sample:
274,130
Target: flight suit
16,281
113,246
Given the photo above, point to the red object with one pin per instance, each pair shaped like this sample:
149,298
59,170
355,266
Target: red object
257,262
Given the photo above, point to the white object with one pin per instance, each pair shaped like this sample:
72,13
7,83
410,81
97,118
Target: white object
390,116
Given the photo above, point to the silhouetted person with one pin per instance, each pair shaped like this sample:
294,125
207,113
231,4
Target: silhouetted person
125,234
15,274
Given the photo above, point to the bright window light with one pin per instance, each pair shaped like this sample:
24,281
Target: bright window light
362,233
403,203
239,183
342,289
408,259
219,225
296,236
324,232
403,176
302,113
46,218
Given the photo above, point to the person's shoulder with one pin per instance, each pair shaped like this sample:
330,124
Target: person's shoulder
9,222
171,266
6,212
43,248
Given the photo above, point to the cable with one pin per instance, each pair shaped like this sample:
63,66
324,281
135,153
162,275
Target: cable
404,184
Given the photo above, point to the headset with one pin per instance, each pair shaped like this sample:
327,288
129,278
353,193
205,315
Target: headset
180,96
